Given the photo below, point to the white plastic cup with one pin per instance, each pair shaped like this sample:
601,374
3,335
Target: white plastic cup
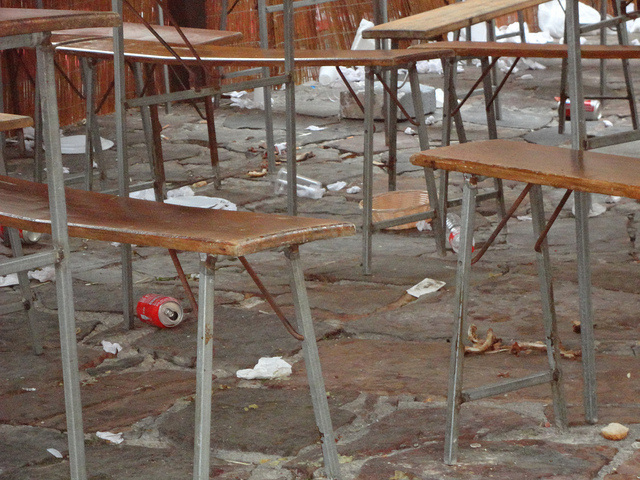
305,187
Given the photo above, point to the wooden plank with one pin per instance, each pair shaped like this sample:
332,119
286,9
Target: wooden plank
439,21
111,218
539,164
532,50
152,52
139,31
25,21
10,121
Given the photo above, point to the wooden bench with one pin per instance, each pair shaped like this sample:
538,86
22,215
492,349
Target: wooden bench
537,165
112,218
375,61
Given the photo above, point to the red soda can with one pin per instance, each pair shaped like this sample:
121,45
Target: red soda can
592,109
28,238
159,311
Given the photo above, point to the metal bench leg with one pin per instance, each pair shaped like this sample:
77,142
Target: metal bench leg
586,310
60,240
438,230
312,363
548,310
392,132
204,369
367,219
454,397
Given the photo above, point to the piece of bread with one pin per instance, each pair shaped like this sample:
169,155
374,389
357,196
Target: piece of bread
614,431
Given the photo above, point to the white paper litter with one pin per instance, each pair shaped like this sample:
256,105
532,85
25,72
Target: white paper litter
526,76
524,218
111,347
64,169
607,123
423,225
595,210
354,189
337,186
9,280
148,194
409,131
115,438
266,368
46,274
77,144
55,452
612,199
281,147
430,66
200,201
315,128
428,285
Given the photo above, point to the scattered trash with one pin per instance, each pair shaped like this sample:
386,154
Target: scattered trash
595,210
475,445
77,144
354,189
200,201
109,347
149,194
424,225
301,157
428,285
305,187
439,98
526,76
592,109
266,368
615,431
315,128
430,66
453,226
64,169
551,17
159,311
337,186
281,147
257,173
28,238
45,274
410,131
55,452
115,438
524,218
607,123
29,389
241,100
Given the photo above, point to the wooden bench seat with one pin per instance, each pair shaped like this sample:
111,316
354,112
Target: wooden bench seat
532,50
98,216
581,173
213,55
116,219
539,164
139,31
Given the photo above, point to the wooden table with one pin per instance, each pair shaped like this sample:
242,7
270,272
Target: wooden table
31,28
575,170
435,23
139,31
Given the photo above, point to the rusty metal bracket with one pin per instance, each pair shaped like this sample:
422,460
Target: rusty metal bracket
183,281
552,219
395,99
292,331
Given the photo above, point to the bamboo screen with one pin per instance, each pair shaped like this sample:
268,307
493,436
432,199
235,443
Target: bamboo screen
331,25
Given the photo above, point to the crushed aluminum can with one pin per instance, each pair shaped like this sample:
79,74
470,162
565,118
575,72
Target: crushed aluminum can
159,311
28,238
592,109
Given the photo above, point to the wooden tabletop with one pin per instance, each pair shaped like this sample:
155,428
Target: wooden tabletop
139,31
532,50
440,21
148,52
539,164
26,21
99,216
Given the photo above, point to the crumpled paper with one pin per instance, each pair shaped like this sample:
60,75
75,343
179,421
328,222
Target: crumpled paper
111,347
266,368
111,437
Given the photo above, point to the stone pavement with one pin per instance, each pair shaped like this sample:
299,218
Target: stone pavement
384,353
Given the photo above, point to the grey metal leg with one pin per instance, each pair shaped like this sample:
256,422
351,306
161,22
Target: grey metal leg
491,106
454,398
312,363
204,369
367,219
432,190
147,127
23,279
548,310
392,131
60,240
586,310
